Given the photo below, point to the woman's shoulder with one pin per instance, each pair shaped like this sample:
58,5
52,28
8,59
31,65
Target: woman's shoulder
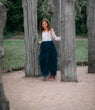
51,29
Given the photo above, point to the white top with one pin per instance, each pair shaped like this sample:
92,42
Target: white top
50,35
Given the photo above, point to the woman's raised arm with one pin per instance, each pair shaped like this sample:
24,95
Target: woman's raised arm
54,36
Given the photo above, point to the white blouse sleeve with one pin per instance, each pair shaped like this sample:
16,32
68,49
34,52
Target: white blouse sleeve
54,36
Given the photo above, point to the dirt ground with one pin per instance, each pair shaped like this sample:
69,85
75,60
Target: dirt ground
36,94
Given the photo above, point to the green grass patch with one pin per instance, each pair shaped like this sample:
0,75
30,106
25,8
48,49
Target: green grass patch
15,52
82,50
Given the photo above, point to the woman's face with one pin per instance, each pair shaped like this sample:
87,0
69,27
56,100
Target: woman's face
44,25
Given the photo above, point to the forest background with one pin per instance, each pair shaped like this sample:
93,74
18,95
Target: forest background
15,16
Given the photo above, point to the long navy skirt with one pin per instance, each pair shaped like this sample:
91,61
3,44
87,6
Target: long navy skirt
48,58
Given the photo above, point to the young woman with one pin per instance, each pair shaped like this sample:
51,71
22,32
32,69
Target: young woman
48,54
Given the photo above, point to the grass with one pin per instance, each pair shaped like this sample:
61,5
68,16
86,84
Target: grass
15,52
82,50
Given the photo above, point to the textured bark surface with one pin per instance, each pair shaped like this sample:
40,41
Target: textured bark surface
68,57
31,38
55,16
4,104
2,21
55,22
91,35
63,21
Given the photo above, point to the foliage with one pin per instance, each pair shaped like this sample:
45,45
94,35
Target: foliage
43,10
15,14
81,17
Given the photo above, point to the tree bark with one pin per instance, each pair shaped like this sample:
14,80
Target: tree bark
55,22
91,35
4,104
55,16
31,38
68,50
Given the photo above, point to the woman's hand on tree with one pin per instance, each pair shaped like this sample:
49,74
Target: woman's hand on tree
39,42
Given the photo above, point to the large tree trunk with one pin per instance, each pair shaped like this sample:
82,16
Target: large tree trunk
31,38
4,104
68,57
91,35
55,22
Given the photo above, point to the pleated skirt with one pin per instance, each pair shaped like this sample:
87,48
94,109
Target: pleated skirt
48,58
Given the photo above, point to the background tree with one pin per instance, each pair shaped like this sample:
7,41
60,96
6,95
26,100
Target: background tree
81,17
55,22
91,35
15,15
4,104
43,10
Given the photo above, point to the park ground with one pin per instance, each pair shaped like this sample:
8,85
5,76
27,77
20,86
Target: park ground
35,94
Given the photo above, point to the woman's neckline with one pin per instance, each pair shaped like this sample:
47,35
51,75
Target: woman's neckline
45,31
